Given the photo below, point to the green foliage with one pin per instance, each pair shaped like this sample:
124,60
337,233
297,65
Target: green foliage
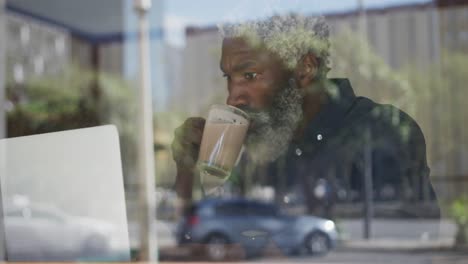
74,99
459,211
41,105
369,74
438,95
164,125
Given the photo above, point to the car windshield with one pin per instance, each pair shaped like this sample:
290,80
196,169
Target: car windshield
232,209
262,210
15,213
49,215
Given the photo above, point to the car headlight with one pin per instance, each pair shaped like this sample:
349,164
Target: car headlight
329,225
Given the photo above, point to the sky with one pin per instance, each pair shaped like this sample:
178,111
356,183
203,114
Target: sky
180,13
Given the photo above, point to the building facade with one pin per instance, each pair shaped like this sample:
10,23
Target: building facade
202,80
34,49
97,35
450,104
399,35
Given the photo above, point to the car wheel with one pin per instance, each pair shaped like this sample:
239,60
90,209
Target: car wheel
317,243
217,247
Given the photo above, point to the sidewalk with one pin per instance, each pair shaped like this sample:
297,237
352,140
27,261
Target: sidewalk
393,245
399,229
403,235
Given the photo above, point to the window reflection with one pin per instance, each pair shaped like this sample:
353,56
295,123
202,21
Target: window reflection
381,153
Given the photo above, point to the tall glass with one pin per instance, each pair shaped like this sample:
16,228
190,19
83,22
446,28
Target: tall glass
223,137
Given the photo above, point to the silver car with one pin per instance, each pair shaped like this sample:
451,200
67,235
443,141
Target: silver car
219,223
44,233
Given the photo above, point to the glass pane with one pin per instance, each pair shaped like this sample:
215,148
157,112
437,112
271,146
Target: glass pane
356,129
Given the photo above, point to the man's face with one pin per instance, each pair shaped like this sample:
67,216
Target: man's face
258,83
253,75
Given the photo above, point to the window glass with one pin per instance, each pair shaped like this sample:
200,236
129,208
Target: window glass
47,215
14,213
232,209
143,120
262,210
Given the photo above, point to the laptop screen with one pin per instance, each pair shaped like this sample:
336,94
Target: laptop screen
63,196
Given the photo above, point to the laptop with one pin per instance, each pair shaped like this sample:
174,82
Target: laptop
62,197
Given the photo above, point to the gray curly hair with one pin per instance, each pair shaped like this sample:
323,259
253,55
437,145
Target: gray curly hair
289,36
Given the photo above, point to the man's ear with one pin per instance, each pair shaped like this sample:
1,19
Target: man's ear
306,70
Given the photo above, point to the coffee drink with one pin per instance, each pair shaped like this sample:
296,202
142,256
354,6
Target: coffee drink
222,144
222,141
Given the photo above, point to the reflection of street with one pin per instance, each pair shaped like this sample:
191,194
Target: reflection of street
403,229
44,233
164,234
395,241
342,257
390,229
378,258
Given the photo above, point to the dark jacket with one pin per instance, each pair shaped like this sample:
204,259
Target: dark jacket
335,146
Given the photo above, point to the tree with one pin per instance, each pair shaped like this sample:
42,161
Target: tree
439,100
74,99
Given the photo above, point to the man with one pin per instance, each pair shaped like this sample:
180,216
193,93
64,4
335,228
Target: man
305,127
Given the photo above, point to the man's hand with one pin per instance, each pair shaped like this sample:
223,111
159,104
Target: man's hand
186,144
185,148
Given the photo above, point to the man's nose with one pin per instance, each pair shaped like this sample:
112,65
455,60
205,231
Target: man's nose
238,96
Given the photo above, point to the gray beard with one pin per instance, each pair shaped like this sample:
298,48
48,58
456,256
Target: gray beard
272,130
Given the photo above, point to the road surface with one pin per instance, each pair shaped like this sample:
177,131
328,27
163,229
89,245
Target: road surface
367,258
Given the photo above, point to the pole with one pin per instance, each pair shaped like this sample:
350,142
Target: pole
148,248
3,39
3,251
435,79
368,185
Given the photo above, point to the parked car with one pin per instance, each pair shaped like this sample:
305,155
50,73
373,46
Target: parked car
43,233
252,224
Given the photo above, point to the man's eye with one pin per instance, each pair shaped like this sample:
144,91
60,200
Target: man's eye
226,76
250,75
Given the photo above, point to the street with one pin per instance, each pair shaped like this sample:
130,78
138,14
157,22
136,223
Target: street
413,230
342,257
378,258
394,241
399,229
